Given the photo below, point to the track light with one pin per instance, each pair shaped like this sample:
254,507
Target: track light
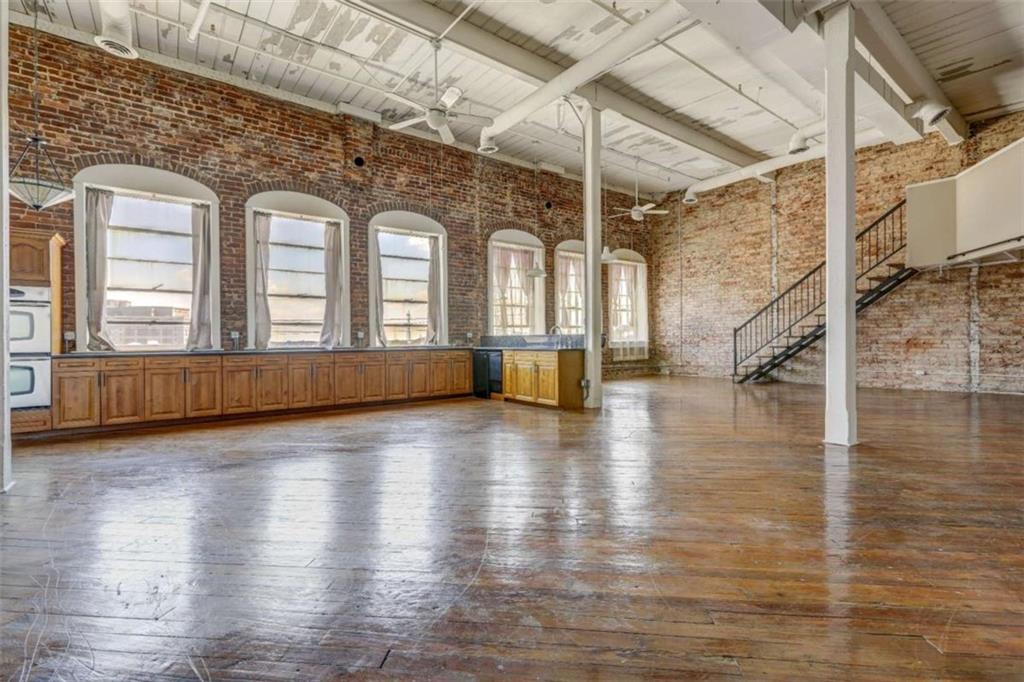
930,112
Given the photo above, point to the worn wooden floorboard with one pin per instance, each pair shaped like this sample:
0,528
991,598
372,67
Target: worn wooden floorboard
691,530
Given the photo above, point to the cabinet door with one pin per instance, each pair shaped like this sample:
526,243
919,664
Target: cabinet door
440,376
272,388
347,383
373,375
76,399
419,377
323,383
462,376
122,396
526,381
300,384
397,381
547,385
239,389
203,392
165,393
30,259
508,376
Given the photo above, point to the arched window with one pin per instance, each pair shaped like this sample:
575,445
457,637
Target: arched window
627,305
569,286
515,283
297,275
147,263
408,269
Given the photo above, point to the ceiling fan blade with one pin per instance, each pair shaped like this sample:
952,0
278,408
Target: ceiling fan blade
446,134
621,208
471,118
451,96
658,212
619,215
407,122
647,207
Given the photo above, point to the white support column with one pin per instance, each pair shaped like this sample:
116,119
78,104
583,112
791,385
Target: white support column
592,241
840,226
6,473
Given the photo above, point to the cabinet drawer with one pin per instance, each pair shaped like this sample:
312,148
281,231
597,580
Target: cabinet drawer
546,358
397,358
166,362
359,358
309,358
121,363
73,364
208,361
277,360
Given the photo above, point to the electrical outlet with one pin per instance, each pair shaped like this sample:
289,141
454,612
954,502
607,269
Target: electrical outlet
235,335
69,336
360,334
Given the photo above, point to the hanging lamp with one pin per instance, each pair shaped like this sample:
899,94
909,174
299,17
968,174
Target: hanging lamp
32,186
537,270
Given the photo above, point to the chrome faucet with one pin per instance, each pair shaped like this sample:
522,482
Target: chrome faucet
556,331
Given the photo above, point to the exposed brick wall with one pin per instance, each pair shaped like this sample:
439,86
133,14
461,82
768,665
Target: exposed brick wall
714,264
99,109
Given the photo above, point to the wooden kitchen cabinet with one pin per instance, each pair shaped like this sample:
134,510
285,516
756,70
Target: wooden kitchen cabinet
419,365
122,391
203,387
76,393
440,374
544,377
239,387
373,380
310,380
165,388
348,382
323,381
30,257
397,386
462,372
272,384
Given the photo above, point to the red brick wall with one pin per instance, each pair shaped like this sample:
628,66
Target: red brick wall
99,109
713,265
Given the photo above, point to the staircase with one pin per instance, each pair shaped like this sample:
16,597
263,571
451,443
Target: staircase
795,319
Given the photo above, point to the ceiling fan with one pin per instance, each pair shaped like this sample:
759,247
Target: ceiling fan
637,212
438,115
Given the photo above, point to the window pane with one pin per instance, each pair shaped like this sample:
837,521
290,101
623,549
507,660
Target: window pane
410,246
400,290
150,213
147,336
294,258
149,245
411,335
405,312
130,303
153,276
294,231
290,310
285,335
404,269
296,284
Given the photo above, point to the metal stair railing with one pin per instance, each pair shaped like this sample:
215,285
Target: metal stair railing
875,244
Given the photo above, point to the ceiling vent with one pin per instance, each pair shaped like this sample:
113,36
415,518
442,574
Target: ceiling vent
116,32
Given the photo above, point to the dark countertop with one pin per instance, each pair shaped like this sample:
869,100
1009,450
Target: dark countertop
540,348
250,351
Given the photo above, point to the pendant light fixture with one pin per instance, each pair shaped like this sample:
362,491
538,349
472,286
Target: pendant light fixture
29,181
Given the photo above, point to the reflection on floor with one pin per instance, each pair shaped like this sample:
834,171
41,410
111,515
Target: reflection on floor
691,528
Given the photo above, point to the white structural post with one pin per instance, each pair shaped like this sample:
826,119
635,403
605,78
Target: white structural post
6,474
840,225
592,241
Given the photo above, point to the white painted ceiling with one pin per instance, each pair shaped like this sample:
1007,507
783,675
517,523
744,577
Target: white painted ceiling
334,52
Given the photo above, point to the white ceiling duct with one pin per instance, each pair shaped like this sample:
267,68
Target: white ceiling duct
116,29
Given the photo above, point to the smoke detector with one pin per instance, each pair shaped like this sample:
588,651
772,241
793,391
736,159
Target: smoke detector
116,33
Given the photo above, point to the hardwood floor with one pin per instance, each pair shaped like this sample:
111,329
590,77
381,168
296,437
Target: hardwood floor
692,530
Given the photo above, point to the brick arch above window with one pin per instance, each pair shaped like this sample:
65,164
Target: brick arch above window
339,199
84,161
488,231
410,206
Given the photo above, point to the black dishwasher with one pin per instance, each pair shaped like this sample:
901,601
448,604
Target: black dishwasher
486,373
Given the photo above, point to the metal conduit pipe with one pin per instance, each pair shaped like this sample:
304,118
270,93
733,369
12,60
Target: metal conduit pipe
761,168
587,69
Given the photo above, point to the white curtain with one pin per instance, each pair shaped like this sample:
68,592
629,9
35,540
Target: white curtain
628,302
200,328
98,204
334,260
261,228
378,300
568,267
435,303
511,289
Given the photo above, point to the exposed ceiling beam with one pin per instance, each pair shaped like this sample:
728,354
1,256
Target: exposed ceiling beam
778,35
876,32
488,48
